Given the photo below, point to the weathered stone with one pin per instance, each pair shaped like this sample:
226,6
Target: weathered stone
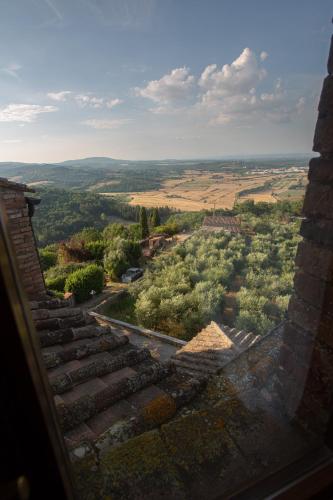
330,59
316,292
323,136
318,231
318,201
141,468
326,98
304,315
315,260
299,341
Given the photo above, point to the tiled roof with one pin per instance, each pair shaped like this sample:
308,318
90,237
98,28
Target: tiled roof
100,380
212,349
227,223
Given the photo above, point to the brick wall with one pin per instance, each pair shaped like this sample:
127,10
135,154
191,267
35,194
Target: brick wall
15,205
307,354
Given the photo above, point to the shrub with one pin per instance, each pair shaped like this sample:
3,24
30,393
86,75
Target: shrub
83,281
96,249
86,235
59,295
47,258
56,284
73,252
55,277
169,228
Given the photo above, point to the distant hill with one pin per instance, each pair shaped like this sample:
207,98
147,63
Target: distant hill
110,175
95,162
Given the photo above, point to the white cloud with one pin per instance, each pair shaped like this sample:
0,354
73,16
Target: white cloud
113,102
11,141
11,69
26,113
232,94
84,100
240,76
105,123
59,96
172,87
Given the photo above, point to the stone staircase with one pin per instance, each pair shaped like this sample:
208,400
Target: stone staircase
100,380
212,349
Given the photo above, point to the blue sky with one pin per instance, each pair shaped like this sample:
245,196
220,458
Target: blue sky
149,79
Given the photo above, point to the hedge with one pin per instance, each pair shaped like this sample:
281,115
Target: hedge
47,259
57,284
83,281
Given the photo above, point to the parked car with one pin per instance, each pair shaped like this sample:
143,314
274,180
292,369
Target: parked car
132,274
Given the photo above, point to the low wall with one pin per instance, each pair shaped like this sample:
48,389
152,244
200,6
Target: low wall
138,329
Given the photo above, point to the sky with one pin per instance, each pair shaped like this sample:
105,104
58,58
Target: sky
155,79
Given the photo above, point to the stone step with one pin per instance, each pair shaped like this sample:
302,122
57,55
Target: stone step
96,366
64,335
90,398
56,355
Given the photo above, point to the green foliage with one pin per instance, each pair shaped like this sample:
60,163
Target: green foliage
96,249
55,277
187,221
184,289
129,231
143,221
47,258
119,255
87,235
63,213
115,230
57,283
169,228
83,281
155,219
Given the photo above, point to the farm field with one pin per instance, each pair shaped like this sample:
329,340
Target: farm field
194,191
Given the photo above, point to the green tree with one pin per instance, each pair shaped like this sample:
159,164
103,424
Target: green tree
120,255
155,218
143,221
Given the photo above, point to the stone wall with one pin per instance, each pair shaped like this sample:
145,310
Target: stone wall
15,205
307,354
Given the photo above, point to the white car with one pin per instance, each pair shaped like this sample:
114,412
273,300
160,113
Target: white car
132,274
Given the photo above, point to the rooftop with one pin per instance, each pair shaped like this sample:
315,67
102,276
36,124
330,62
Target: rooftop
222,222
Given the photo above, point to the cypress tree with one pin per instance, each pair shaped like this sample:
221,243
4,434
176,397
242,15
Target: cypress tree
155,218
143,221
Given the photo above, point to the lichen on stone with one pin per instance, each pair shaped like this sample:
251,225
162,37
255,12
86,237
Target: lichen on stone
141,468
159,410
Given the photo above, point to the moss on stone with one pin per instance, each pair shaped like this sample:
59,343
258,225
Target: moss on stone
88,478
194,439
159,410
141,468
